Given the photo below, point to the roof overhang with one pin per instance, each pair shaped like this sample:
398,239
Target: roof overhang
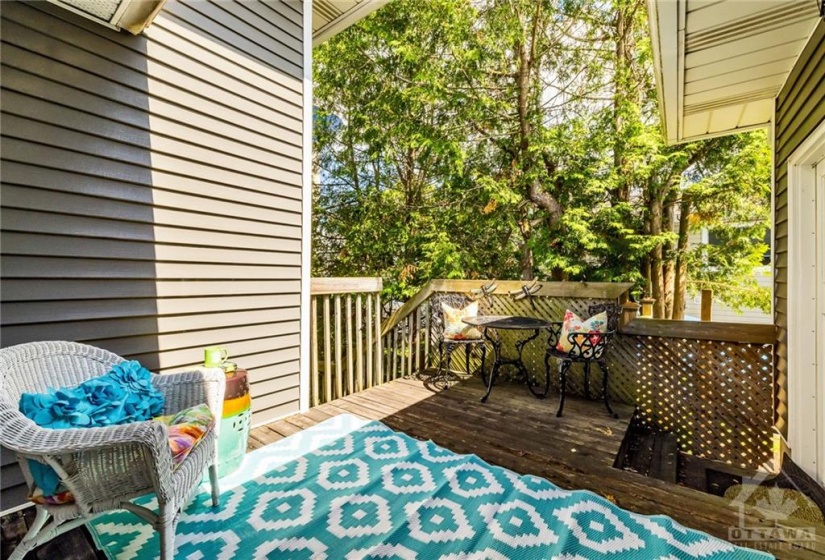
721,63
330,17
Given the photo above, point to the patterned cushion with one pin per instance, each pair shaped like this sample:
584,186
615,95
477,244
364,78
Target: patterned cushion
574,324
454,327
186,429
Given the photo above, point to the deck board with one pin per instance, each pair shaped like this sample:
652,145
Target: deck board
516,431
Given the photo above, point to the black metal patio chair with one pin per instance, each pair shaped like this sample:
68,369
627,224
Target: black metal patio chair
448,344
587,348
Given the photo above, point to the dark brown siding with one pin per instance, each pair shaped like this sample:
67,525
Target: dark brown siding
800,108
151,188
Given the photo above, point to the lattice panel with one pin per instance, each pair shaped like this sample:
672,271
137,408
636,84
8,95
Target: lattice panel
715,396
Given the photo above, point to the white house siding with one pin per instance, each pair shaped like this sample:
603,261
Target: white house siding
151,188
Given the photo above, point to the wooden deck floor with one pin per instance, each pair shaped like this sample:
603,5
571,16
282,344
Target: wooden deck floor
518,432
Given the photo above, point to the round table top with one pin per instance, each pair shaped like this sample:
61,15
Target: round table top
512,322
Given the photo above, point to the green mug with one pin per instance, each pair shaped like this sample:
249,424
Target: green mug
214,356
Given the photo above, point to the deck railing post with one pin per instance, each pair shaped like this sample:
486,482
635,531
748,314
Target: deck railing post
327,353
339,373
379,346
369,347
313,326
359,341
352,378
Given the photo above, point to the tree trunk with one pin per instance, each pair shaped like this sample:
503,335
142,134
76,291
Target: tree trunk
669,263
622,95
656,276
680,275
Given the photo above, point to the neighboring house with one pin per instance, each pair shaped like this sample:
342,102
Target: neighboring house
156,188
730,66
722,312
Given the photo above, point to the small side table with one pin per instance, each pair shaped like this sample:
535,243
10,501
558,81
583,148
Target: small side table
492,324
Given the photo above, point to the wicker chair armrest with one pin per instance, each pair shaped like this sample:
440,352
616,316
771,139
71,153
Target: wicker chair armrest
134,456
24,436
190,388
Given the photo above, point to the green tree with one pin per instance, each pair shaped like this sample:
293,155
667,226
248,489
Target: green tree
520,139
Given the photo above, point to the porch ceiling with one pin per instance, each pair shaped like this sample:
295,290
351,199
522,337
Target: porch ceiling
721,63
333,16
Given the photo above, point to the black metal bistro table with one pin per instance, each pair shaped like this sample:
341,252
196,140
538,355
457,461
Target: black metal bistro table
495,323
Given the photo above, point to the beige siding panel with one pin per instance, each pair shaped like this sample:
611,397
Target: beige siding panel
248,17
227,109
164,185
142,171
152,189
93,330
84,51
287,11
193,339
221,216
21,313
47,245
159,151
800,109
25,290
288,20
15,266
202,136
56,224
238,34
281,349
276,405
273,385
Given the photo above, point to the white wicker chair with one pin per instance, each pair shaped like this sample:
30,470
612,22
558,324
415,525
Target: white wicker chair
104,468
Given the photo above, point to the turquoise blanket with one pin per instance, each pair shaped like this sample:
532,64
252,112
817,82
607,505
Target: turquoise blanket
354,490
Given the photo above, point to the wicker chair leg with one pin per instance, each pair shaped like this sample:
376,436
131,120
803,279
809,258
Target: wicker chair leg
213,482
167,521
31,540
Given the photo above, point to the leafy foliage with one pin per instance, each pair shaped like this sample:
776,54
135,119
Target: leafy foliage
483,138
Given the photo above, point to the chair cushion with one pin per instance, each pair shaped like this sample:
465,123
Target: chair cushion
186,429
454,327
124,394
574,324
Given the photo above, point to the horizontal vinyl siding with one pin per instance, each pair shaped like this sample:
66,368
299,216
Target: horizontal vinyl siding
800,108
152,191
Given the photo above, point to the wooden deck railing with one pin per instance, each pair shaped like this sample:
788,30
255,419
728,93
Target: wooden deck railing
709,383
346,337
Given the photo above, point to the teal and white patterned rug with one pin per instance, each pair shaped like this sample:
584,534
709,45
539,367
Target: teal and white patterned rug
350,489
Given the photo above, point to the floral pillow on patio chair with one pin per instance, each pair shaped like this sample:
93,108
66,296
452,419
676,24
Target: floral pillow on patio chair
454,326
597,324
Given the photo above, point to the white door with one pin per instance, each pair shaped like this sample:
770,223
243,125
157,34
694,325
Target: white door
820,318
806,304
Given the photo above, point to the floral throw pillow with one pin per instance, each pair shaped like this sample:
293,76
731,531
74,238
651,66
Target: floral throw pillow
186,429
574,324
454,326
